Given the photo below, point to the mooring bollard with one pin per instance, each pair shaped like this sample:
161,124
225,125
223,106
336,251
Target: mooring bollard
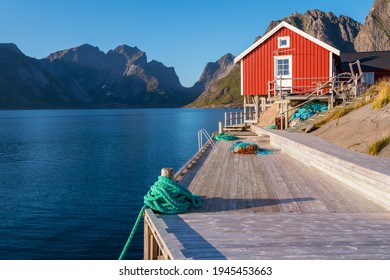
220,128
168,172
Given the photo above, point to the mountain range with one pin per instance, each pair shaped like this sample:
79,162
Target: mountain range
85,77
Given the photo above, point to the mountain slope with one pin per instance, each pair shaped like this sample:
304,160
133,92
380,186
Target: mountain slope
219,84
347,130
222,92
339,32
375,34
26,83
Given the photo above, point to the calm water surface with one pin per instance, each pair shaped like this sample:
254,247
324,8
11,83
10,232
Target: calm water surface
73,181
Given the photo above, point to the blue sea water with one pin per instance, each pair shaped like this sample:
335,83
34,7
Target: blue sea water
72,181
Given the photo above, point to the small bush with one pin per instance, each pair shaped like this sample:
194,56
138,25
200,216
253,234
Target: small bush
378,145
383,97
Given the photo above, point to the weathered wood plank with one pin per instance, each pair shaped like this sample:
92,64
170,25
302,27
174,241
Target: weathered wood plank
282,235
272,207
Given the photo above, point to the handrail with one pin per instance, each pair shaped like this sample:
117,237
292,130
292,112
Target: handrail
234,118
204,133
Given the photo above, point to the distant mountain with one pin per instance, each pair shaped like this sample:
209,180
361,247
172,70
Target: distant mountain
216,70
85,77
375,34
126,78
222,92
26,83
211,91
339,32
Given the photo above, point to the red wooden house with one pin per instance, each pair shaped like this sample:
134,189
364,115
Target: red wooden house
287,60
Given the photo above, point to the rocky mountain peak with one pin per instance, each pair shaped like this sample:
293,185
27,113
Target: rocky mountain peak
339,32
85,55
132,54
375,34
127,50
10,47
217,70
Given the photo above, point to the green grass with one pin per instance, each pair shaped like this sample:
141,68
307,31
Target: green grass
334,114
378,145
383,96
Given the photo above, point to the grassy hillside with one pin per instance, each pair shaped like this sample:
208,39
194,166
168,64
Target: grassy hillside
363,126
224,92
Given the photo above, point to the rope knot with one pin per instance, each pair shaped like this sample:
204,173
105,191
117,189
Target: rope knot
168,197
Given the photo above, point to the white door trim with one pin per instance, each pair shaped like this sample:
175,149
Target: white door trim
284,84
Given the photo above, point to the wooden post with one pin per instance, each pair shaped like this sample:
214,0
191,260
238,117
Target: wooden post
269,89
168,172
244,108
332,93
220,128
225,118
281,112
286,115
147,234
256,109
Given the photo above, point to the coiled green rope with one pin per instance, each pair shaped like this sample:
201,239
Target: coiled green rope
225,137
166,197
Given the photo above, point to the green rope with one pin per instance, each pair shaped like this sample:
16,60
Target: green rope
166,197
225,137
135,227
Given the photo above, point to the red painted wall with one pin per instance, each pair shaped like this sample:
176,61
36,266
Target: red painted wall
309,61
380,75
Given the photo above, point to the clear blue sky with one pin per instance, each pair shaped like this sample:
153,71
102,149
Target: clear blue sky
185,34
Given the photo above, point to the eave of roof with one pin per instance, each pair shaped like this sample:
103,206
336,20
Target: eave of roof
374,61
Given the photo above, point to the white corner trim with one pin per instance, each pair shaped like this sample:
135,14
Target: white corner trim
292,28
330,64
242,77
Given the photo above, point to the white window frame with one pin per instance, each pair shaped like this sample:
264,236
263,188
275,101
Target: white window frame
280,39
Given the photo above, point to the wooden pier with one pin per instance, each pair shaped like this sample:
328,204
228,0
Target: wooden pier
275,207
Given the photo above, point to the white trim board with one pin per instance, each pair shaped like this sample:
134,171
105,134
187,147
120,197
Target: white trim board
292,28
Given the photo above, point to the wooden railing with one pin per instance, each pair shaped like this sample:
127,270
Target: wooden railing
234,118
319,86
239,118
345,85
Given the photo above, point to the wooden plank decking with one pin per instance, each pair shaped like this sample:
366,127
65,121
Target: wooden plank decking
273,207
269,183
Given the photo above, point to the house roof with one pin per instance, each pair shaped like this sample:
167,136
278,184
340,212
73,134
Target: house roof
292,28
369,61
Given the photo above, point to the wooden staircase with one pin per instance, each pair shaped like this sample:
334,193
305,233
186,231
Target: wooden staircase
302,125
